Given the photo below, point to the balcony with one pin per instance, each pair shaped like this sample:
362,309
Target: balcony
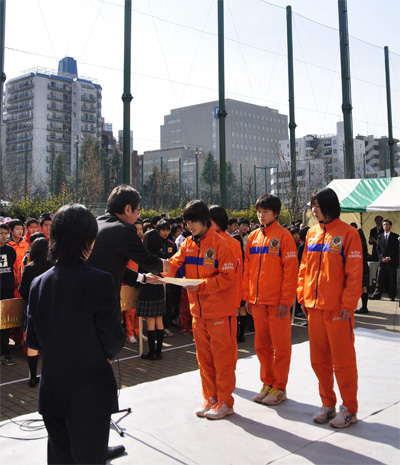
13,148
88,128
59,107
88,98
20,116
56,117
57,148
58,127
59,138
21,96
55,96
22,85
60,87
14,127
88,118
89,108
20,106
19,138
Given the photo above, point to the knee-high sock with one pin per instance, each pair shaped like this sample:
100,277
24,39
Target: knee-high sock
151,336
32,364
160,338
243,321
364,299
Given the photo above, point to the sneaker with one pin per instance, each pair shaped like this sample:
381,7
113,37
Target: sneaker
145,338
343,418
361,311
131,340
218,411
324,414
274,397
7,360
262,394
186,331
206,406
168,333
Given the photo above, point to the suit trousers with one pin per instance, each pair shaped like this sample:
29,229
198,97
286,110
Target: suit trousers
273,345
387,278
80,440
216,348
332,351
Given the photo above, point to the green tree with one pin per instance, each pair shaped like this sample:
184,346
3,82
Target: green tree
59,176
92,183
209,179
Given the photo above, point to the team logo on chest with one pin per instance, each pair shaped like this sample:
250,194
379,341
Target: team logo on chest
274,246
209,257
336,243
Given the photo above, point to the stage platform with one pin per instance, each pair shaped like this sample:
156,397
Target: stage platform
163,428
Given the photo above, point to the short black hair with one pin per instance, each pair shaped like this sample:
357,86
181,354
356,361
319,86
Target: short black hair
162,225
120,197
354,225
269,202
219,216
378,216
387,221
15,222
35,236
22,218
232,221
175,228
155,219
303,233
39,251
44,218
72,232
197,210
4,226
242,220
328,203
31,221
152,241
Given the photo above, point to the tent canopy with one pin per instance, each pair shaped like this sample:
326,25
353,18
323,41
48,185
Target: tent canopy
367,195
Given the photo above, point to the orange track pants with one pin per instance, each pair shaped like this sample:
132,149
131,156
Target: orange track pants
217,355
131,323
332,350
273,345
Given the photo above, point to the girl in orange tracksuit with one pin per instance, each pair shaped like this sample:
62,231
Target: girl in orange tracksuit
208,256
269,288
329,287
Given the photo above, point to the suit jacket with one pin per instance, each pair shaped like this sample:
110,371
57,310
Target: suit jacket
116,243
374,235
391,249
74,317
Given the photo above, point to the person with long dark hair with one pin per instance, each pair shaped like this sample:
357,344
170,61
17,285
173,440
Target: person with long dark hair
74,317
329,288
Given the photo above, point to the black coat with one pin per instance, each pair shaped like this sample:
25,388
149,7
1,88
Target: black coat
391,249
74,317
116,243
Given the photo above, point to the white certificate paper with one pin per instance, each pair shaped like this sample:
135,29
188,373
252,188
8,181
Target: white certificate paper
182,281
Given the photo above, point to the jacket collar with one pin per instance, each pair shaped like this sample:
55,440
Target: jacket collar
329,226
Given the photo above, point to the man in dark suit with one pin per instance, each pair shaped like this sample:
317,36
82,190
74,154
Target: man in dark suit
117,241
388,252
373,236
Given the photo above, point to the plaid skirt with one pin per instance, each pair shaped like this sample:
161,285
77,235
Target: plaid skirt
365,278
150,308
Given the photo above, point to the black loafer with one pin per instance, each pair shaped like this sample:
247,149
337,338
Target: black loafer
114,452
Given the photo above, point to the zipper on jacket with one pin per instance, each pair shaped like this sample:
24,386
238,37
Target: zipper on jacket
259,268
197,266
319,268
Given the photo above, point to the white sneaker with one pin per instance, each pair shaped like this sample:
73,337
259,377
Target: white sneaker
324,414
262,394
218,411
168,333
343,418
145,338
131,340
206,406
274,397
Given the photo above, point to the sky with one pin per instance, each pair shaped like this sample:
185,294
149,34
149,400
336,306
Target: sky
175,57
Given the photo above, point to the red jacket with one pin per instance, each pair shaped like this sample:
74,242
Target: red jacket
330,276
209,258
270,267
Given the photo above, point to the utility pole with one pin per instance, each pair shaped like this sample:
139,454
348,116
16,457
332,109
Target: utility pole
346,90
162,183
197,173
221,110
292,124
180,181
2,77
76,166
389,112
241,187
52,170
255,184
26,170
126,96
142,180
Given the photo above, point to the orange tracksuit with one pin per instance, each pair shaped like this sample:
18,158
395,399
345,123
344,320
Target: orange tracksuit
237,250
270,279
330,280
131,320
213,310
20,248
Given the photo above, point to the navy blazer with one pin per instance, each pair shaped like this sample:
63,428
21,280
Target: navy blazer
74,317
391,249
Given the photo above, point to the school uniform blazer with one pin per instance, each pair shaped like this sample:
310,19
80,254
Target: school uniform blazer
391,249
116,243
74,317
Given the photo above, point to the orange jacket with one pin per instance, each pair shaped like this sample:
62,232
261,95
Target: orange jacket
209,258
270,267
330,276
20,248
237,250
